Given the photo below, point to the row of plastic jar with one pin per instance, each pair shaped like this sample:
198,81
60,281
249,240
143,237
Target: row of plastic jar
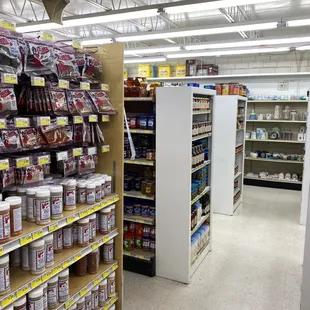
199,239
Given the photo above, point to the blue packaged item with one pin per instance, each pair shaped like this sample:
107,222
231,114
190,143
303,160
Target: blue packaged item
137,209
193,84
209,87
145,210
152,211
143,122
151,122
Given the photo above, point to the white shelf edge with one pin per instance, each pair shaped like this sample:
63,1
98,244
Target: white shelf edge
203,219
274,121
274,160
139,219
270,180
206,163
207,135
275,141
278,101
237,175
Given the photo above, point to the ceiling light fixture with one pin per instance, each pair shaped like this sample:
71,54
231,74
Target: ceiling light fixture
231,52
90,42
144,60
298,23
153,50
303,48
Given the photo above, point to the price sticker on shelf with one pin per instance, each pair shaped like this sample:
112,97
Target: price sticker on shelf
77,152
96,282
114,267
62,120
83,292
9,78
22,122
44,159
23,162
71,219
1,251
140,256
53,227
4,164
105,118
106,274
76,44
105,87
78,119
47,276
44,121
5,24
23,291
37,234
92,150
106,239
77,257
47,36
62,156
57,270
69,303
84,213
38,81
2,123
93,118
8,300
85,85
63,84
36,283
66,264
97,207
105,148
95,246
25,240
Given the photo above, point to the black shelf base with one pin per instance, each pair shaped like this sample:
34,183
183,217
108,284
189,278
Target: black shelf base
140,266
262,183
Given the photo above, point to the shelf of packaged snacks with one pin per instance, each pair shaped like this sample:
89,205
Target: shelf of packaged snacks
23,281
201,112
206,163
80,286
139,219
200,256
142,131
140,254
205,191
32,232
109,303
276,141
203,219
237,175
139,99
278,101
273,180
274,160
140,161
139,195
207,135
274,121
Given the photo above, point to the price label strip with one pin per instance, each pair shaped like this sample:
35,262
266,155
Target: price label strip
83,292
23,162
22,122
105,87
8,300
93,118
47,36
69,303
36,283
4,164
77,152
62,156
9,78
23,291
53,227
63,84
5,24
105,148
2,123
44,121
105,118
38,81
44,160
62,120
85,85
78,119
47,276
37,234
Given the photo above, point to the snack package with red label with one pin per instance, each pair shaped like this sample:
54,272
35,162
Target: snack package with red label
98,135
57,135
101,101
7,177
80,61
23,49
29,175
10,140
8,104
80,101
59,102
92,69
10,57
66,64
40,58
86,164
28,138
67,167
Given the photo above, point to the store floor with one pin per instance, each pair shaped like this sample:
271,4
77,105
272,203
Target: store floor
255,264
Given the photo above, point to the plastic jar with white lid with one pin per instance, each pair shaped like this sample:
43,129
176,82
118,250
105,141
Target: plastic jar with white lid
92,227
113,218
63,285
102,187
37,256
72,307
108,185
25,258
111,285
70,195
103,292
80,305
58,240
95,298
91,193
52,292
105,221
88,301
44,287
83,232
98,190
49,250
4,274
81,192
43,207
56,202
21,192
35,298
5,229
15,258
15,215
67,236
20,304
108,252
31,204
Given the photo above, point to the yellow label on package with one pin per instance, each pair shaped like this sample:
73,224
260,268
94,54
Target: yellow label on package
69,303
21,122
2,123
63,84
8,25
22,162
44,160
36,283
77,119
23,291
83,292
105,118
53,227
44,121
105,148
85,85
38,81
62,121
105,87
37,234
9,78
5,302
47,36
93,118
77,151
4,164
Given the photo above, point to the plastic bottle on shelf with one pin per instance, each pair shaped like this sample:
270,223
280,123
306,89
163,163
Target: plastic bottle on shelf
111,285
21,192
103,292
49,250
98,188
20,304
92,227
5,274
81,192
15,258
15,215
88,301
52,292
63,285
44,287
56,202
30,203
90,193
83,232
37,257
5,231
95,298
108,185
58,240
67,232
105,221
35,298
113,218
25,258
43,208
80,305
70,195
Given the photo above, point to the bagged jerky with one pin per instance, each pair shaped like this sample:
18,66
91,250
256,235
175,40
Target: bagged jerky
66,64
101,102
92,69
79,100
8,105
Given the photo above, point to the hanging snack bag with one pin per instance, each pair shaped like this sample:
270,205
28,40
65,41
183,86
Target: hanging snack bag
66,64
80,61
98,135
10,139
28,138
79,100
59,102
101,101
10,58
40,58
93,68
23,49
8,105
56,135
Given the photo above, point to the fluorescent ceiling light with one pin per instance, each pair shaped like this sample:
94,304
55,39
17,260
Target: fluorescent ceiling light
96,41
213,5
303,48
152,50
247,43
144,60
197,32
231,52
298,23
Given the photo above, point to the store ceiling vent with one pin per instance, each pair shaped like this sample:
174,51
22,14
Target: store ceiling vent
54,9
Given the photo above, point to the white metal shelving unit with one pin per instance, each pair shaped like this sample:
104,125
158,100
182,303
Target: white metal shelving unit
174,116
227,136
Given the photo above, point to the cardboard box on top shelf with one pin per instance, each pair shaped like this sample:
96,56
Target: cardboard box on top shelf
191,66
164,71
180,70
147,71
207,69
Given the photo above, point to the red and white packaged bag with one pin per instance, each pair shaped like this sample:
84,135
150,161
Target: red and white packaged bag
8,105
66,64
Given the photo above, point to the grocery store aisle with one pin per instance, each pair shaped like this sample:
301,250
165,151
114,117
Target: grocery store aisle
256,262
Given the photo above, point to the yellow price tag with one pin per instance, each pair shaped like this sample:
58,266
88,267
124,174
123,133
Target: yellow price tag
25,240
22,162
36,283
21,122
77,257
105,148
47,36
66,264
106,274
114,267
37,234
8,25
63,84
95,246
53,227
70,219
23,291
77,152
44,160
62,121
85,85
44,121
96,282
7,301
105,87
9,78
47,276
38,81
1,251
105,118
84,213
4,164
105,239
56,270
69,303
77,119
2,123
83,292
97,207
93,118
76,44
